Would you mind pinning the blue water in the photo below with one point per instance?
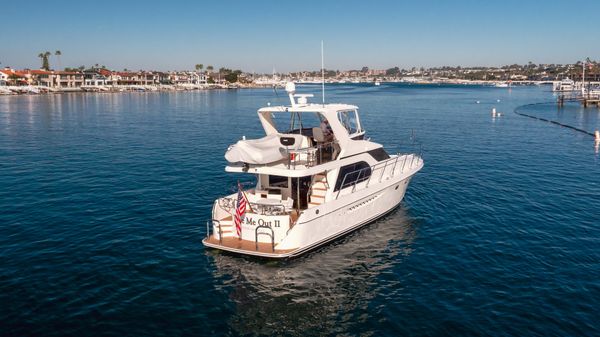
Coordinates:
(104, 199)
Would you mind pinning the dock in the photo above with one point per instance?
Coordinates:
(584, 100)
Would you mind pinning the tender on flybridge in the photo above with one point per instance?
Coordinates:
(317, 178)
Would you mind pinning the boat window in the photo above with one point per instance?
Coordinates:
(278, 181)
(353, 173)
(297, 122)
(304, 123)
(349, 120)
(281, 121)
(379, 154)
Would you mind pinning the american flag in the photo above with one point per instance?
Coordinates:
(240, 210)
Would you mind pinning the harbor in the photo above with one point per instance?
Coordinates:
(155, 163)
(315, 168)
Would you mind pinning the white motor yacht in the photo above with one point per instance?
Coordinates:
(566, 85)
(317, 179)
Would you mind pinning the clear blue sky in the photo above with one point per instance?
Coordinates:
(259, 35)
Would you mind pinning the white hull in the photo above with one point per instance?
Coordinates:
(346, 218)
(320, 225)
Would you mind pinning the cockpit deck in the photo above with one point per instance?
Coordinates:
(236, 245)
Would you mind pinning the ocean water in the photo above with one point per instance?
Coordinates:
(104, 200)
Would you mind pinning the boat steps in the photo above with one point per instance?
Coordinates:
(242, 246)
(227, 227)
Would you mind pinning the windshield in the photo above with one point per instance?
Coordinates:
(296, 122)
(349, 120)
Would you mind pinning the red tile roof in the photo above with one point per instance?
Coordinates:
(40, 72)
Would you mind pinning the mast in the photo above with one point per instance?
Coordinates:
(583, 80)
(322, 74)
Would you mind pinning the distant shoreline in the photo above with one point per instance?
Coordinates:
(41, 90)
(38, 90)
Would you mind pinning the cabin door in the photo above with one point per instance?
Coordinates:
(300, 193)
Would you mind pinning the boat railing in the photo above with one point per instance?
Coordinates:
(229, 204)
(387, 169)
(210, 224)
(312, 155)
(271, 235)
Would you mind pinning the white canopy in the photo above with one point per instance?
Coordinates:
(261, 151)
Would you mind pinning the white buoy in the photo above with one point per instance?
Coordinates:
(477, 102)
(498, 100)
(597, 136)
(493, 112)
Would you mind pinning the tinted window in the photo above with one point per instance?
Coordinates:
(353, 173)
(278, 181)
(379, 154)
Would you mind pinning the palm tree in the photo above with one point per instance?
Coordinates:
(210, 68)
(199, 67)
(41, 56)
(45, 60)
(58, 53)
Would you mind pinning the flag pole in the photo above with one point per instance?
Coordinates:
(245, 196)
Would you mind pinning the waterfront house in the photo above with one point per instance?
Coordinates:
(3, 78)
(54, 79)
(136, 78)
(198, 78)
(94, 78)
(163, 78)
(67, 79)
(187, 77)
(13, 77)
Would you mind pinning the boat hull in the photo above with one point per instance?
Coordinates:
(319, 226)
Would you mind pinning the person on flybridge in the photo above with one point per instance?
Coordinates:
(326, 128)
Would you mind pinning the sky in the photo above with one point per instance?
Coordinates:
(259, 35)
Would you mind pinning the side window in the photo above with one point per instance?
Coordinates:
(280, 121)
(278, 181)
(351, 174)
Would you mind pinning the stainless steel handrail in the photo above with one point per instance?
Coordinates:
(375, 167)
(272, 235)
(262, 209)
(306, 150)
(218, 226)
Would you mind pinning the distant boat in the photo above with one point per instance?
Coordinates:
(501, 85)
(566, 84)
(377, 82)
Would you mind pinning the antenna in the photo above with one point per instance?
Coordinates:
(322, 74)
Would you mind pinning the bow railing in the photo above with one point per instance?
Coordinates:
(387, 168)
